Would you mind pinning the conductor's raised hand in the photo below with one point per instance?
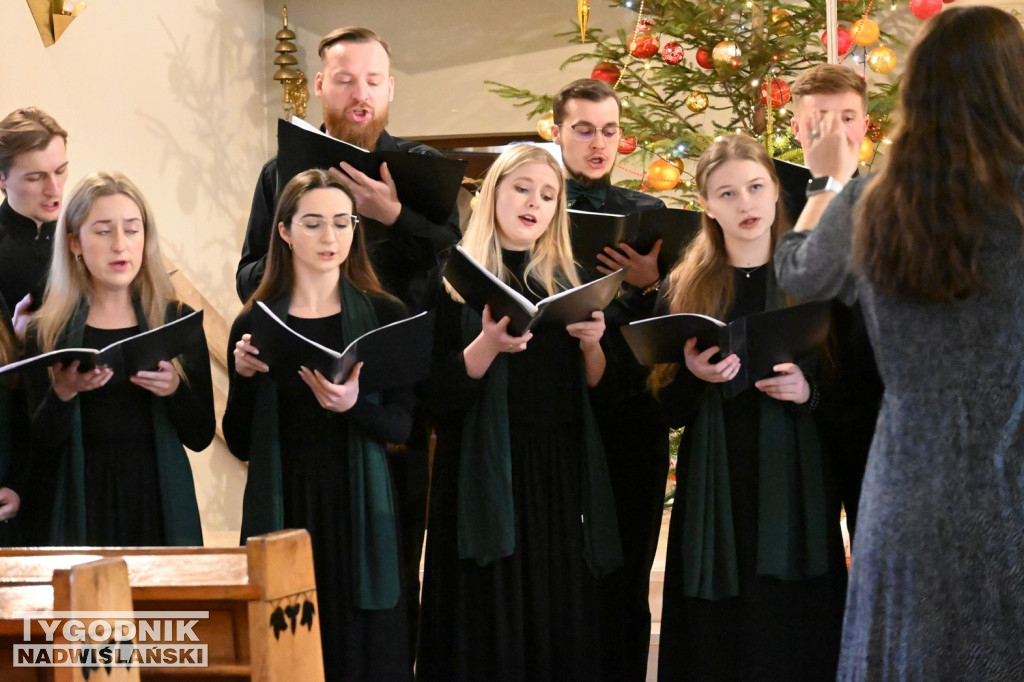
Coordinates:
(590, 332)
(68, 382)
(641, 268)
(163, 382)
(333, 397)
(376, 199)
(496, 336)
(246, 361)
(789, 384)
(699, 363)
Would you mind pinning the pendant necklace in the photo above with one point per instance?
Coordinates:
(747, 271)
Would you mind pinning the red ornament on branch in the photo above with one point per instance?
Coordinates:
(780, 93)
(607, 72)
(646, 46)
(672, 53)
(925, 9)
(704, 59)
(627, 144)
(843, 38)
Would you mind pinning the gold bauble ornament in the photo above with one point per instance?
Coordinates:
(779, 18)
(867, 150)
(864, 32)
(663, 175)
(546, 125)
(726, 52)
(696, 102)
(882, 59)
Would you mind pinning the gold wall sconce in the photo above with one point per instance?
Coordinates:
(291, 78)
(53, 17)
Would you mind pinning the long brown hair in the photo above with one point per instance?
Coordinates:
(8, 347)
(279, 275)
(702, 280)
(954, 158)
(70, 281)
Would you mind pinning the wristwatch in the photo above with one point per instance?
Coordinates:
(823, 184)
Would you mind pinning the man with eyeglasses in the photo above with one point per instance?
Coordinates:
(355, 87)
(587, 129)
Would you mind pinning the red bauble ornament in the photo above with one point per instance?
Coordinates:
(704, 59)
(607, 72)
(780, 93)
(672, 53)
(924, 9)
(627, 145)
(843, 38)
(645, 46)
(644, 26)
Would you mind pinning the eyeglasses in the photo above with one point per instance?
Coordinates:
(340, 222)
(584, 132)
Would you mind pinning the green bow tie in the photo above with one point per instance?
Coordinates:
(577, 194)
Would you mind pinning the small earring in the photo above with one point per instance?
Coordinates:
(78, 257)
(289, 246)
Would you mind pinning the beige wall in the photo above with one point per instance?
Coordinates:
(173, 94)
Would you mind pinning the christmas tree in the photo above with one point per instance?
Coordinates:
(690, 70)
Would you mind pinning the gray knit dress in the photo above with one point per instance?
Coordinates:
(937, 575)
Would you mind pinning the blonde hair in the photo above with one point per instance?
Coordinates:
(70, 281)
(550, 263)
(702, 280)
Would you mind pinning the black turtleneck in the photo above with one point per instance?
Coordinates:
(25, 253)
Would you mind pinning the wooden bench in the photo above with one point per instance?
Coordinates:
(91, 584)
(254, 596)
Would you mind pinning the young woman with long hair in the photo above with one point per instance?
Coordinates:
(316, 450)
(933, 249)
(755, 573)
(521, 516)
(117, 467)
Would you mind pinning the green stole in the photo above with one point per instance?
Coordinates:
(486, 508)
(177, 489)
(374, 536)
(792, 528)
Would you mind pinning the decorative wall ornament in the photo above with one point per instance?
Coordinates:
(291, 78)
(53, 17)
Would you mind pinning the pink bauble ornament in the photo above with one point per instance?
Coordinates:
(925, 9)
(843, 39)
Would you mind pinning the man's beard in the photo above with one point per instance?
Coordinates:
(586, 182)
(363, 135)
